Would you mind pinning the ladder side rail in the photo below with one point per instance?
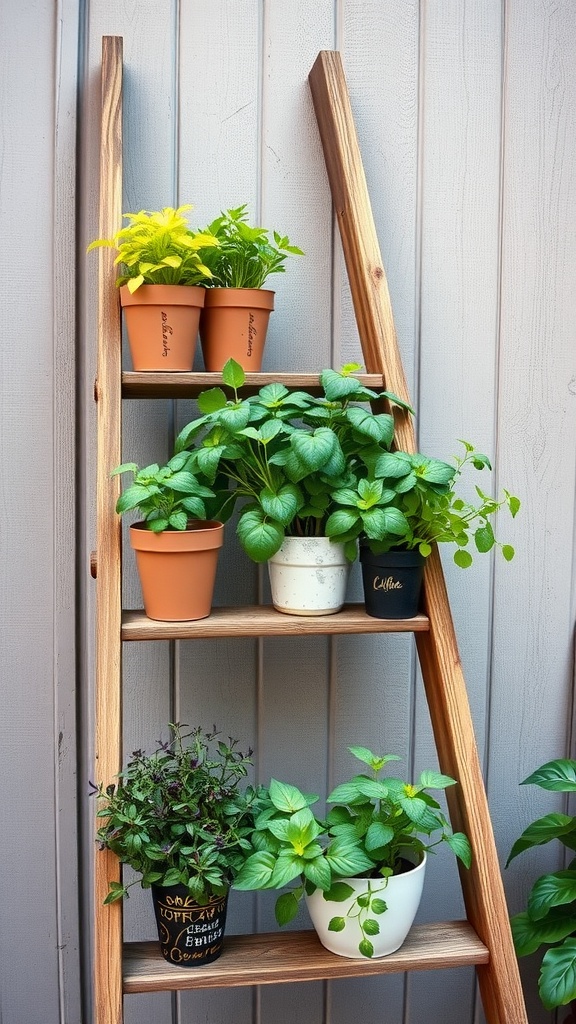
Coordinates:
(108, 1006)
(438, 649)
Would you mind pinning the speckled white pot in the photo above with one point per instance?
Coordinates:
(308, 576)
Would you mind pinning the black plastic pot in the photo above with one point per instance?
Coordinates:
(392, 582)
(190, 935)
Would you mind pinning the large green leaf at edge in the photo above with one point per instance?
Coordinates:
(557, 985)
(551, 890)
(543, 830)
(558, 775)
(529, 935)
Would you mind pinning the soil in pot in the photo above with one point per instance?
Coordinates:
(233, 325)
(390, 905)
(392, 582)
(162, 324)
(308, 576)
(177, 569)
(190, 935)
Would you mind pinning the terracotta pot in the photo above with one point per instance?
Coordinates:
(308, 576)
(190, 935)
(162, 324)
(392, 582)
(177, 569)
(233, 325)
(400, 893)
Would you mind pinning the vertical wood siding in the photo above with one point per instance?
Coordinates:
(465, 115)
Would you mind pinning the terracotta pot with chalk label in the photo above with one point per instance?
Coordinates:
(162, 324)
(233, 325)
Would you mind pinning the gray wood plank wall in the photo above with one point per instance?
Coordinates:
(465, 111)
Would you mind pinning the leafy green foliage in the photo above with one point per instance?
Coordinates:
(305, 465)
(244, 256)
(178, 815)
(550, 915)
(159, 248)
(373, 824)
(167, 497)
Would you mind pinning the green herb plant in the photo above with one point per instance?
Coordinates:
(167, 497)
(245, 256)
(550, 916)
(287, 452)
(159, 248)
(373, 825)
(179, 815)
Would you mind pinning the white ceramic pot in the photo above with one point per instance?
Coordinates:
(400, 893)
(308, 576)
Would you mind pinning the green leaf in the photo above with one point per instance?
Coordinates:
(172, 877)
(286, 797)
(508, 552)
(460, 845)
(283, 504)
(314, 449)
(378, 906)
(366, 948)
(336, 924)
(339, 892)
(346, 859)
(371, 927)
(528, 935)
(286, 908)
(513, 504)
(318, 872)
(288, 867)
(558, 775)
(463, 558)
(551, 890)
(256, 871)
(484, 538)
(434, 780)
(543, 830)
(132, 497)
(212, 400)
(233, 375)
(178, 520)
(341, 522)
(378, 835)
(557, 984)
(337, 386)
(260, 537)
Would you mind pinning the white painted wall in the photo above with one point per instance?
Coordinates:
(465, 114)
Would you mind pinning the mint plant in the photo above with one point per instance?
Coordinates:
(245, 256)
(167, 497)
(550, 916)
(373, 824)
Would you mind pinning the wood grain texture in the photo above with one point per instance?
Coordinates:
(438, 649)
(189, 385)
(108, 919)
(298, 956)
(262, 620)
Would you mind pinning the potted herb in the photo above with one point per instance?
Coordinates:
(422, 495)
(361, 869)
(237, 307)
(162, 271)
(178, 539)
(181, 820)
(549, 919)
(286, 454)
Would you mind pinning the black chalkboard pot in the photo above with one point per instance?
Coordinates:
(392, 582)
(190, 935)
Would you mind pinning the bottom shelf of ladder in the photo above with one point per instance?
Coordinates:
(298, 956)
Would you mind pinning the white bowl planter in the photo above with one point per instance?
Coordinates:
(388, 928)
(308, 576)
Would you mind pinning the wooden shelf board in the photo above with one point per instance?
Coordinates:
(189, 385)
(263, 620)
(298, 956)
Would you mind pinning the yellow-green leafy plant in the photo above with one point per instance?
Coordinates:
(159, 248)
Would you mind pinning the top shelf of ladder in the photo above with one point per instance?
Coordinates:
(154, 384)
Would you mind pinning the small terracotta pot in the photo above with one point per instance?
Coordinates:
(162, 324)
(177, 569)
(233, 325)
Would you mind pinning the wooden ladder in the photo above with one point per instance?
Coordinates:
(484, 939)
(438, 648)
